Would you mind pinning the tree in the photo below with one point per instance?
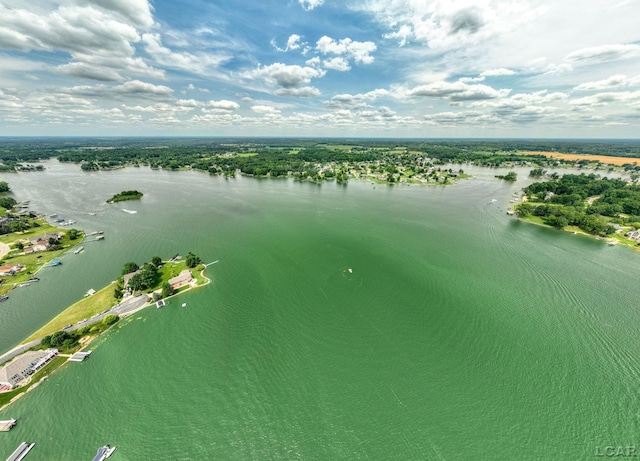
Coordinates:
(118, 291)
(156, 261)
(146, 278)
(7, 202)
(167, 290)
(192, 260)
(110, 319)
(74, 234)
(4, 187)
(129, 267)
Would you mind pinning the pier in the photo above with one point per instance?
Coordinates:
(79, 356)
(5, 426)
(21, 451)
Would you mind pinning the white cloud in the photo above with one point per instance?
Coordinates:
(303, 92)
(609, 83)
(137, 12)
(604, 53)
(457, 91)
(293, 43)
(607, 98)
(286, 76)
(497, 72)
(444, 24)
(310, 4)
(360, 52)
(265, 109)
(132, 88)
(355, 100)
(198, 63)
(337, 63)
(223, 105)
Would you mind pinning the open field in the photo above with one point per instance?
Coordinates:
(602, 158)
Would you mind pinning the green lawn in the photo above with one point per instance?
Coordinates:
(84, 309)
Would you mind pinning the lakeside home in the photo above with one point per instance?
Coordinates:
(24, 366)
(180, 280)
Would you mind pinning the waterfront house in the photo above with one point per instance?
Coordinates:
(180, 280)
(45, 238)
(24, 366)
(10, 269)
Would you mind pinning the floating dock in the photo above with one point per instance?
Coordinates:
(21, 451)
(79, 356)
(5, 426)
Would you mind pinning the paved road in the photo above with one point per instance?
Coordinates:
(128, 306)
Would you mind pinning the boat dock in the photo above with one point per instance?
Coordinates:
(21, 451)
(5, 426)
(80, 356)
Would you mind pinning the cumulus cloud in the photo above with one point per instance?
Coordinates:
(360, 52)
(223, 104)
(293, 80)
(100, 38)
(262, 109)
(303, 92)
(609, 83)
(137, 12)
(337, 63)
(355, 100)
(293, 43)
(310, 4)
(457, 91)
(606, 98)
(443, 24)
(132, 88)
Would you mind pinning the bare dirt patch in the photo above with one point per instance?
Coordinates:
(601, 158)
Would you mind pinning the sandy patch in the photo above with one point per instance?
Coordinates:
(4, 249)
(602, 158)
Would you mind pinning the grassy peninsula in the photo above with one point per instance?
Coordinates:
(588, 203)
(126, 195)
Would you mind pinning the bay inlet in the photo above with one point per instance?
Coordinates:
(457, 333)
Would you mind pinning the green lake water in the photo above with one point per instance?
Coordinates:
(458, 334)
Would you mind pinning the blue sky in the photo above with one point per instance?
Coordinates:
(383, 68)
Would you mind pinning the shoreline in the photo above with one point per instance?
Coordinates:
(148, 303)
(608, 240)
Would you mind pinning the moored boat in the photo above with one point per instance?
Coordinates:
(104, 453)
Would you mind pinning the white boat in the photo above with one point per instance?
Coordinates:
(78, 250)
(104, 452)
(129, 211)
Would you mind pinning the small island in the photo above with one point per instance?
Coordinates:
(126, 195)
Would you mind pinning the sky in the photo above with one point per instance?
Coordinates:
(306, 68)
